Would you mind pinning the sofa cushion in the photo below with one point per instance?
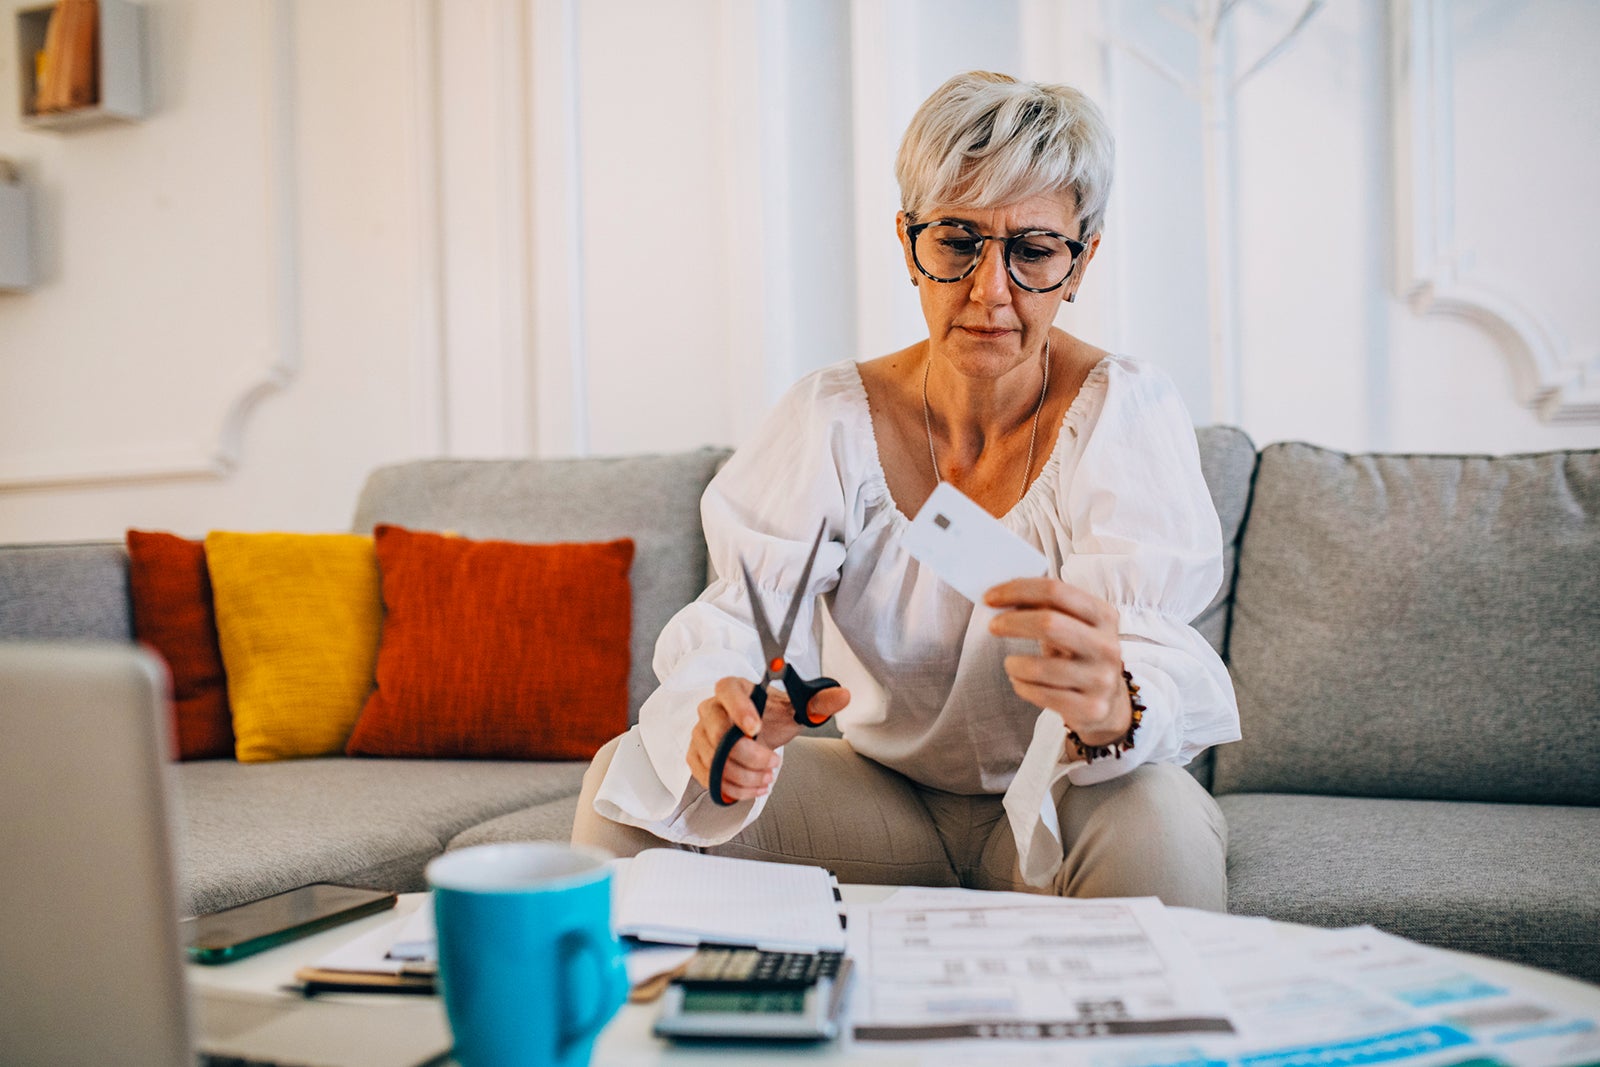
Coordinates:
(550, 821)
(497, 650)
(655, 500)
(298, 618)
(1510, 880)
(170, 589)
(1419, 626)
(70, 592)
(1228, 460)
(251, 830)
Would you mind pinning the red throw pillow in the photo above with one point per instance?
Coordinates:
(172, 613)
(498, 650)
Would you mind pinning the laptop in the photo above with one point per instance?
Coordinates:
(93, 967)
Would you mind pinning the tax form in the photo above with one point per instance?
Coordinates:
(940, 964)
(1515, 1027)
(1304, 997)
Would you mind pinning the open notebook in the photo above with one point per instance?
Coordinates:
(688, 898)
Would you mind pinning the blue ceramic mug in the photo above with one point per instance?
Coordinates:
(528, 965)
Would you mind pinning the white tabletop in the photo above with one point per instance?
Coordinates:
(628, 1040)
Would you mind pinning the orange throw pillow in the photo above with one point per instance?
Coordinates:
(172, 613)
(498, 650)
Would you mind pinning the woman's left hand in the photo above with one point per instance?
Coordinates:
(1078, 671)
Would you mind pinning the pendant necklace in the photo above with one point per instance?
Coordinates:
(927, 420)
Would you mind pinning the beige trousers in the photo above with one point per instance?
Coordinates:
(1152, 832)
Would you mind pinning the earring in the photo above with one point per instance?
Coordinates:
(1072, 296)
(913, 281)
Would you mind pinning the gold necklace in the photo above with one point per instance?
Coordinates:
(927, 420)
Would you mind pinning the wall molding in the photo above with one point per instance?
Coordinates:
(1558, 383)
(430, 411)
(766, 62)
(884, 94)
(559, 364)
(1069, 43)
(223, 455)
(284, 209)
(749, 69)
(484, 234)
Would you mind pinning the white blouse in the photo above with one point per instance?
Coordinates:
(1120, 509)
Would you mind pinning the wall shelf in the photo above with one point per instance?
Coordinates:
(121, 59)
(18, 270)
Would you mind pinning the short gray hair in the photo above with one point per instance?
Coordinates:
(985, 139)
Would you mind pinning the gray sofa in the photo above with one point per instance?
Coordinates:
(1415, 641)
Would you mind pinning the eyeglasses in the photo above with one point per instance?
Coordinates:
(1037, 260)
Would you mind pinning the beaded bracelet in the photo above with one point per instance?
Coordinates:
(1094, 752)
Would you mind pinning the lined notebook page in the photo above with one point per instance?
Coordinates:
(686, 898)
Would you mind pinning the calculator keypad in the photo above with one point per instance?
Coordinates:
(748, 968)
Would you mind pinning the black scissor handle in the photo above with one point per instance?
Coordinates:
(800, 691)
(719, 758)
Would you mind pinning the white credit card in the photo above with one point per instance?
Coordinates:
(967, 547)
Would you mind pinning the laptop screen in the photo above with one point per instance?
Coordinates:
(88, 930)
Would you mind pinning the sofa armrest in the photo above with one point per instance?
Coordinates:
(65, 592)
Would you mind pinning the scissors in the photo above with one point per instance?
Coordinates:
(800, 690)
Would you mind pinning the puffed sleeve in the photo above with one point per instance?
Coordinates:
(1144, 536)
(763, 507)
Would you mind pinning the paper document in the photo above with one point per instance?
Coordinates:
(1512, 1026)
(688, 898)
(647, 961)
(941, 964)
(1338, 998)
(369, 953)
(1287, 1009)
(1291, 1011)
(416, 940)
(1325, 998)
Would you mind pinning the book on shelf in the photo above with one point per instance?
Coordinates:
(67, 71)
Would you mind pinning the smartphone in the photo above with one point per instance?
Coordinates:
(235, 933)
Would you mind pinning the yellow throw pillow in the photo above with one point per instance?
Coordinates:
(298, 617)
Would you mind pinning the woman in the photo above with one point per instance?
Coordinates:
(1033, 742)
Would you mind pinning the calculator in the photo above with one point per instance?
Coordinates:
(747, 993)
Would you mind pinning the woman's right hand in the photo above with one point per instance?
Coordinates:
(752, 763)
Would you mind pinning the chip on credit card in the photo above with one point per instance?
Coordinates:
(968, 548)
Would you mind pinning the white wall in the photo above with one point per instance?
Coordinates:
(355, 233)
(228, 328)
(1461, 187)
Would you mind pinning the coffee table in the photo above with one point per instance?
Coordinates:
(628, 1040)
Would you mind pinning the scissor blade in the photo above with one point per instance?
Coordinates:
(800, 590)
(771, 647)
